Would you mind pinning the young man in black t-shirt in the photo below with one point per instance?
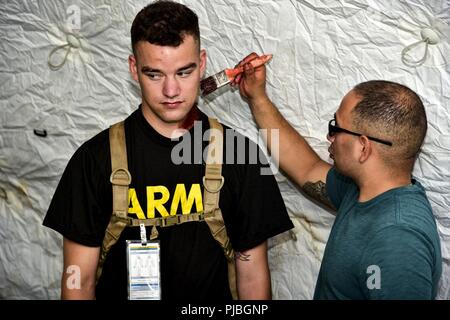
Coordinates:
(168, 64)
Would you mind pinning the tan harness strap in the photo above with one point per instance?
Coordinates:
(212, 215)
(120, 179)
(166, 221)
(213, 182)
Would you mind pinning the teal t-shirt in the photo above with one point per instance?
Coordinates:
(384, 248)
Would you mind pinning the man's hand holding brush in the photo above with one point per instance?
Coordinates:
(229, 76)
(252, 81)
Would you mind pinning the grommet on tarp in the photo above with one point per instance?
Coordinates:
(40, 133)
(72, 42)
(429, 37)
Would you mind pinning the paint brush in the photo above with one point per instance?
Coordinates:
(214, 82)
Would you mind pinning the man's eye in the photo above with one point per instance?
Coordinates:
(153, 75)
(184, 74)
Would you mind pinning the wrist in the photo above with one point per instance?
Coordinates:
(258, 101)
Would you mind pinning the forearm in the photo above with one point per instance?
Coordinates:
(256, 289)
(290, 145)
(71, 291)
(253, 275)
(80, 266)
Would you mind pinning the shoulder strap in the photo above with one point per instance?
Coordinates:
(120, 179)
(213, 182)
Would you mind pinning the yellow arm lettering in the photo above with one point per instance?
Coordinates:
(187, 202)
(135, 206)
(157, 204)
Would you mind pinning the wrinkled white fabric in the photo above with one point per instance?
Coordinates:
(321, 50)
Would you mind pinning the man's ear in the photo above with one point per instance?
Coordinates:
(132, 64)
(366, 148)
(202, 62)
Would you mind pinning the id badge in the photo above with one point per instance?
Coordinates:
(144, 281)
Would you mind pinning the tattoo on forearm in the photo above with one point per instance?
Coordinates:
(318, 191)
(242, 256)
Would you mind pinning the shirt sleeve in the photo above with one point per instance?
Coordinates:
(260, 212)
(81, 204)
(337, 186)
(398, 264)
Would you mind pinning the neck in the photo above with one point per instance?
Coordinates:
(375, 185)
(171, 129)
(192, 116)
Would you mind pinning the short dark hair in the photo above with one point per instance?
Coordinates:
(392, 112)
(164, 23)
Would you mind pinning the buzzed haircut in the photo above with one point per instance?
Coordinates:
(394, 112)
(164, 23)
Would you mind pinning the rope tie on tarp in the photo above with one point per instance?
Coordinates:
(429, 37)
(73, 42)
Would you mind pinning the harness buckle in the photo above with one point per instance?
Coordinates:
(170, 221)
(122, 216)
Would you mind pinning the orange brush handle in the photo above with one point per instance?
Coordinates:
(257, 62)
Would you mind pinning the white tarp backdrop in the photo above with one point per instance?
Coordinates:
(321, 50)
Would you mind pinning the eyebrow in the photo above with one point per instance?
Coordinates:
(184, 68)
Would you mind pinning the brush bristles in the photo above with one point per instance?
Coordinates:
(208, 85)
(214, 82)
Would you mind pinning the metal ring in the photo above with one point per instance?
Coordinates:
(218, 188)
(127, 173)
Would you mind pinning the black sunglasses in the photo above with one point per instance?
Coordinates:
(333, 129)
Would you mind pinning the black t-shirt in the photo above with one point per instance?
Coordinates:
(193, 265)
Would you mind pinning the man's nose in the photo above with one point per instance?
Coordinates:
(171, 87)
(330, 138)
